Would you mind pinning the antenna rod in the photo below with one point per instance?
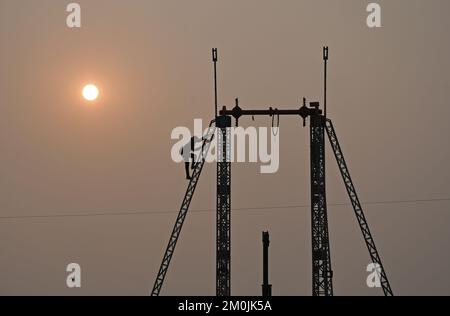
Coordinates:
(325, 60)
(214, 56)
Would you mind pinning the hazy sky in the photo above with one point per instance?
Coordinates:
(388, 98)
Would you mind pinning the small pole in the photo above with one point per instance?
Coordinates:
(325, 61)
(214, 56)
(266, 287)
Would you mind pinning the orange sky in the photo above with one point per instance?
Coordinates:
(388, 98)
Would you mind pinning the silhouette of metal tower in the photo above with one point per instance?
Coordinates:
(322, 273)
(357, 208)
(223, 228)
(321, 259)
(183, 212)
(322, 278)
(321, 265)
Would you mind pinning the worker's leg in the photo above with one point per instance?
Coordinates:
(186, 167)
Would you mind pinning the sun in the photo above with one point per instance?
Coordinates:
(90, 92)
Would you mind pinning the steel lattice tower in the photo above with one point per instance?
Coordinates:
(223, 229)
(321, 259)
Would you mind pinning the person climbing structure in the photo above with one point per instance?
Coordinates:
(188, 151)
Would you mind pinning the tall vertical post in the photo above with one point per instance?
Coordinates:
(266, 287)
(223, 241)
(325, 63)
(214, 57)
(321, 260)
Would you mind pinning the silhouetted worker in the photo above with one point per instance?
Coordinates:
(188, 153)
